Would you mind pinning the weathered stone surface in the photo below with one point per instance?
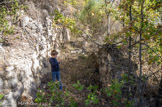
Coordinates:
(9, 68)
(1, 84)
(24, 64)
(25, 21)
(6, 91)
(77, 51)
(112, 64)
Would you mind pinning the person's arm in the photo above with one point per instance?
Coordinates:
(58, 61)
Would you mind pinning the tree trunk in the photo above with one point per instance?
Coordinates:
(108, 24)
(140, 56)
(130, 40)
(159, 96)
(130, 50)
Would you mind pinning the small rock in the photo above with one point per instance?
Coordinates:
(14, 82)
(44, 86)
(25, 21)
(34, 31)
(50, 9)
(1, 48)
(9, 68)
(6, 91)
(34, 27)
(45, 12)
(7, 84)
(39, 28)
(11, 102)
(1, 84)
(25, 98)
(77, 51)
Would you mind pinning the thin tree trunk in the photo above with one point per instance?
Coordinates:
(130, 40)
(159, 96)
(108, 14)
(130, 50)
(108, 18)
(108, 24)
(123, 18)
(140, 56)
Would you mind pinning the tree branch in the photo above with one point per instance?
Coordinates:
(152, 50)
(100, 45)
(153, 73)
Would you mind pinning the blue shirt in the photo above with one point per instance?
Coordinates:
(54, 65)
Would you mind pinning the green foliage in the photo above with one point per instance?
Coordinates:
(151, 34)
(40, 97)
(93, 15)
(114, 92)
(5, 11)
(64, 21)
(78, 86)
(4, 26)
(71, 2)
(92, 97)
(73, 103)
(155, 47)
(62, 98)
(55, 96)
(1, 96)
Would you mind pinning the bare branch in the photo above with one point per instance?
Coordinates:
(153, 73)
(152, 50)
(88, 37)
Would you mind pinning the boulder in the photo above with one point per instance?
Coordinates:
(25, 21)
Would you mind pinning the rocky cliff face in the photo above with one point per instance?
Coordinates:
(112, 64)
(24, 59)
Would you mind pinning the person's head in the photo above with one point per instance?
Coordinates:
(54, 53)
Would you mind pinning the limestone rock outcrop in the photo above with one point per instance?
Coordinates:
(112, 64)
(24, 61)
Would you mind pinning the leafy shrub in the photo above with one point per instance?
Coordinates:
(63, 98)
(92, 97)
(78, 86)
(55, 96)
(1, 97)
(71, 2)
(64, 21)
(114, 93)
